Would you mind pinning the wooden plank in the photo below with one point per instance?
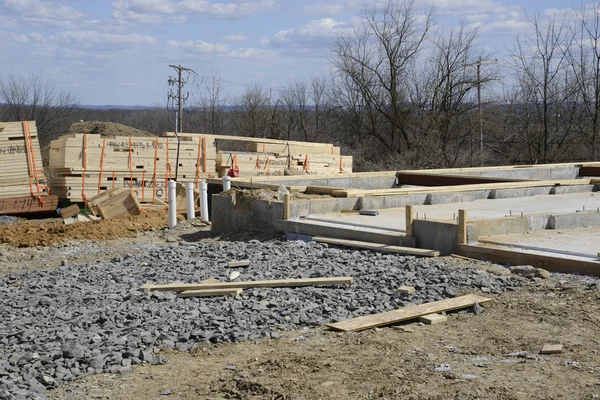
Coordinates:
(378, 247)
(519, 257)
(462, 188)
(551, 349)
(120, 205)
(28, 205)
(407, 313)
(238, 263)
(425, 178)
(286, 206)
(589, 171)
(462, 226)
(409, 219)
(324, 190)
(210, 293)
(406, 289)
(70, 211)
(179, 287)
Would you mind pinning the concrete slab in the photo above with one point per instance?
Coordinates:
(394, 218)
(582, 242)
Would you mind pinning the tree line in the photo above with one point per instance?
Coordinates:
(403, 94)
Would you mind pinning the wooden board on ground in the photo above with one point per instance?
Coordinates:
(551, 349)
(378, 247)
(238, 263)
(119, 206)
(407, 313)
(179, 287)
(70, 211)
(210, 293)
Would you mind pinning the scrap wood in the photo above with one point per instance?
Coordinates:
(69, 212)
(433, 319)
(378, 247)
(180, 287)
(407, 313)
(209, 293)
(238, 263)
(551, 349)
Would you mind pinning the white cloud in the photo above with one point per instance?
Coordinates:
(313, 34)
(234, 38)
(89, 39)
(46, 10)
(14, 37)
(150, 11)
(198, 47)
(7, 22)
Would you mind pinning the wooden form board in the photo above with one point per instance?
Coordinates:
(21, 168)
(459, 188)
(521, 257)
(407, 313)
(425, 178)
(378, 247)
(179, 287)
(114, 203)
(28, 205)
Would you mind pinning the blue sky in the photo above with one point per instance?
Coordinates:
(118, 52)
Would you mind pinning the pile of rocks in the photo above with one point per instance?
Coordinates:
(62, 324)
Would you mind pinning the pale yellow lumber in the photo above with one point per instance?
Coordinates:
(433, 319)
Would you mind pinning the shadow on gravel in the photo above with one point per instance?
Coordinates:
(195, 236)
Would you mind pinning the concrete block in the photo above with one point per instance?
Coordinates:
(348, 232)
(456, 197)
(575, 220)
(572, 189)
(519, 192)
(435, 235)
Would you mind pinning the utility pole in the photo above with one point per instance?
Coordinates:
(175, 103)
(176, 99)
(479, 63)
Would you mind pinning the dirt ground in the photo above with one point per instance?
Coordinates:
(387, 363)
(106, 129)
(494, 355)
(40, 244)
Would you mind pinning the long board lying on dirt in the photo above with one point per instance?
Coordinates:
(407, 313)
(384, 248)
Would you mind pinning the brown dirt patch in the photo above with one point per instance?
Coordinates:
(47, 232)
(389, 364)
(106, 129)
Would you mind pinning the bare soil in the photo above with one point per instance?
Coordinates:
(390, 364)
(106, 129)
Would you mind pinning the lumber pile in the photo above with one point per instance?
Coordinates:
(84, 165)
(23, 184)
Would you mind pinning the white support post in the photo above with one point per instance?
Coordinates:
(189, 196)
(226, 183)
(204, 201)
(172, 203)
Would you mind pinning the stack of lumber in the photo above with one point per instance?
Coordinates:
(23, 185)
(84, 165)
(270, 157)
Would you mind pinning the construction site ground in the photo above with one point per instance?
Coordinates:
(390, 364)
(494, 355)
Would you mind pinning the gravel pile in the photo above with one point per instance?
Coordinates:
(65, 323)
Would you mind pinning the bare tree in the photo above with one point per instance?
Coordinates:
(542, 86)
(36, 98)
(210, 101)
(252, 112)
(378, 57)
(584, 63)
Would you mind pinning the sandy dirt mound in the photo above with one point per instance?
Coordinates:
(45, 233)
(106, 129)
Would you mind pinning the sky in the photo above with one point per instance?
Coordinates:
(119, 52)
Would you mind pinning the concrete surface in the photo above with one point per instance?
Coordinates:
(582, 242)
